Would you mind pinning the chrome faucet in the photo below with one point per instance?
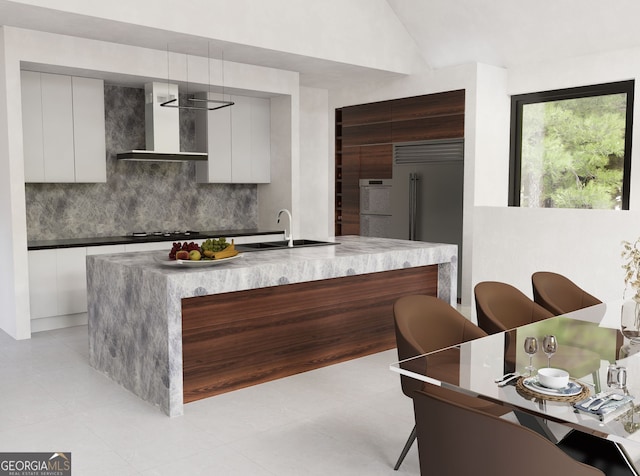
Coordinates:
(290, 237)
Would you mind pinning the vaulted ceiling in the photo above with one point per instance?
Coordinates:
(336, 41)
(510, 32)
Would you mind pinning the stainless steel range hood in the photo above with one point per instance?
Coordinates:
(162, 128)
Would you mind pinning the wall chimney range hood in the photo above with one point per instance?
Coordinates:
(162, 128)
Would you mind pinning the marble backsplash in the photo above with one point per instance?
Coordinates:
(137, 196)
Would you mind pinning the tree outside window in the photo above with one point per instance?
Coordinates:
(571, 148)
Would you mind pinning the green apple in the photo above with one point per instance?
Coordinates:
(194, 255)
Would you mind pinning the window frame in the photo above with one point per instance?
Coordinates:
(515, 148)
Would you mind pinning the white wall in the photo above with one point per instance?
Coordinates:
(486, 127)
(584, 245)
(314, 166)
(511, 243)
(374, 35)
(489, 136)
(14, 289)
(101, 59)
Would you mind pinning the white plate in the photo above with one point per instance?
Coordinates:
(184, 263)
(532, 383)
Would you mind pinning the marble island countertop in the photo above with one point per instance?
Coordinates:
(256, 269)
(135, 313)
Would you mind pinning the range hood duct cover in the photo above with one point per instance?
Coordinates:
(162, 128)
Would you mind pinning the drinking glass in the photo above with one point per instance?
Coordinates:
(617, 377)
(550, 347)
(530, 347)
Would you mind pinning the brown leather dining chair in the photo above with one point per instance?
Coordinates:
(456, 439)
(558, 294)
(425, 324)
(501, 307)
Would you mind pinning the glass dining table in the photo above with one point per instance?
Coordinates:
(474, 368)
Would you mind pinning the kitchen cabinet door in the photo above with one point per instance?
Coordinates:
(57, 128)
(260, 140)
(57, 282)
(370, 113)
(241, 140)
(213, 135)
(71, 274)
(237, 140)
(88, 130)
(63, 128)
(105, 249)
(376, 161)
(58, 279)
(239, 240)
(350, 218)
(33, 150)
(43, 283)
(430, 105)
(154, 246)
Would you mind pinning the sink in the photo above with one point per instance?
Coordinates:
(297, 243)
(257, 246)
(279, 245)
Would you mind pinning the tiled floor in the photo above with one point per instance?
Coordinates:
(346, 419)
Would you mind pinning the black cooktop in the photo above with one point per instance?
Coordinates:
(168, 234)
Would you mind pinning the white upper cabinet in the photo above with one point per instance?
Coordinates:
(63, 128)
(241, 139)
(237, 140)
(213, 135)
(57, 128)
(261, 139)
(32, 126)
(88, 130)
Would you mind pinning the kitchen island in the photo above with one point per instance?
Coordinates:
(173, 335)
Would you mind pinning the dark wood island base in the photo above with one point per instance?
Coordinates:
(237, 339)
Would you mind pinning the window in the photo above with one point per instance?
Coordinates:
(571, 148)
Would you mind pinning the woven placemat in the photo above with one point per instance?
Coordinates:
(554, 398)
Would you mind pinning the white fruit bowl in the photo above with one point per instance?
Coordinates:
(553, 378)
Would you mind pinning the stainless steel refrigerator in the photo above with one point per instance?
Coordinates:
(423, 200)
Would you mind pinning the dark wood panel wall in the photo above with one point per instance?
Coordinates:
(367, 113)
(365, 135)
(238, 339)
(430, 105)
(428, 128)
(375, 165)
(350, 190)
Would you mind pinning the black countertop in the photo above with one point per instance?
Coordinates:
(125, 240)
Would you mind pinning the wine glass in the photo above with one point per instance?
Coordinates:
(550, 347)
(630, 327)
(530, 347)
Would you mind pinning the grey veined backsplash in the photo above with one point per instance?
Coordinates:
(137, 196)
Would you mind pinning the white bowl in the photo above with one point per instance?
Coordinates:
(553, 378)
